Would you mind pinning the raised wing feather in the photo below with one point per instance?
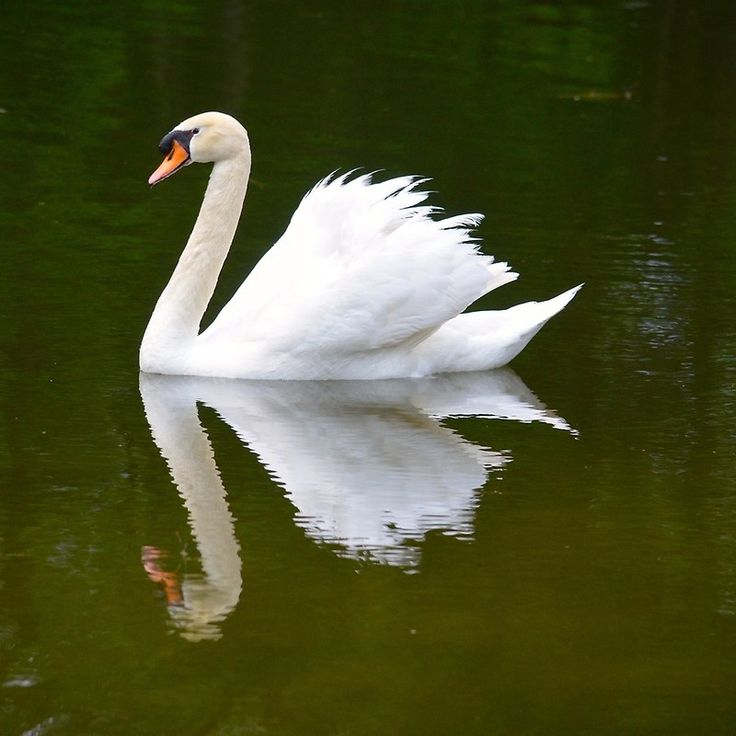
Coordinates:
(362, 266)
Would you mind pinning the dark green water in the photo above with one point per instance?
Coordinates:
(347, 559)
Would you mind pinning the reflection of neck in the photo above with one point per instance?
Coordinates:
(180, 307)
(184, 445)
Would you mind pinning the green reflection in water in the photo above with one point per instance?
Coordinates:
(592, 589)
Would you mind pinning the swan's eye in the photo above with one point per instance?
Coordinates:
(195, 131)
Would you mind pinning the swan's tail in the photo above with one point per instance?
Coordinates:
(540, 312)
(479, 341)
(513, 328)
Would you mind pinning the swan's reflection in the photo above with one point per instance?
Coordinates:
(367, 465)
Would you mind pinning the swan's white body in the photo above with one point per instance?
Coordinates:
(364, 283)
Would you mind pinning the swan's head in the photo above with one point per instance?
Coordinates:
(211, 136)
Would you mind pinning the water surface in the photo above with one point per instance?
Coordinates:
(549, 549)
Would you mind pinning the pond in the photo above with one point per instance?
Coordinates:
(549, 548)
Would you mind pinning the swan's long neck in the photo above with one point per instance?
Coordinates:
(175, 321)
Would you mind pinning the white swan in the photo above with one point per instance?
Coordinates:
(363, 283)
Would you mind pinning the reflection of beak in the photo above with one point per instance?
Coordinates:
(169, 581)
(178, 158)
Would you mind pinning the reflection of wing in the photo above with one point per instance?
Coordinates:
(363, 462)
(200, 601)
(364, 471)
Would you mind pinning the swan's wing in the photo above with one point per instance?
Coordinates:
(361, 266)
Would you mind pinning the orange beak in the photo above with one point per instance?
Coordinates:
(177, 158)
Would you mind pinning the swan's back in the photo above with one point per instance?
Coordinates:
(364, 271)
